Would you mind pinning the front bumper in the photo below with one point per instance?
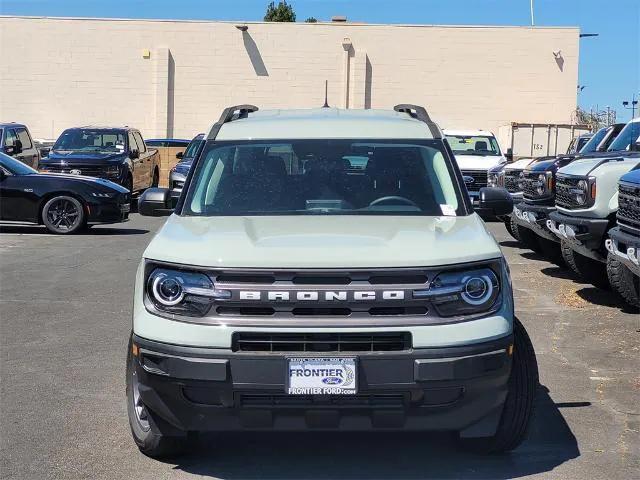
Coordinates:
(453, 388)
(534, 218)
(585, 235)
(625, 247)
(111, 212)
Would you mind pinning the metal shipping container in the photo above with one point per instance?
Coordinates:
(538, 139)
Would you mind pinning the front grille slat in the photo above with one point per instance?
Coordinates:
(479, 179)
(321, 342)
(629, 206)
(379, 400)
(563, 186)
(511, 180)
(85, 170)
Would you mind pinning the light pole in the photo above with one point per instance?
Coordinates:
(631, 105)
(532, 20)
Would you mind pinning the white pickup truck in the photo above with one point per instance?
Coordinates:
(476, 152)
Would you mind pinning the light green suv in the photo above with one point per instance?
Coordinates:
(324, 269)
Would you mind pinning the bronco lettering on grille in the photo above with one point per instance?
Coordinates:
(325, 296)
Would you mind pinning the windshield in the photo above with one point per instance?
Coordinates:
(628, 136)
(14, 166)
(302, 177)
(91, 140)
(473, 145)
(594, 141)
(191, 150)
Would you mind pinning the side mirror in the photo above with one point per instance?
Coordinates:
(2, 175)
(133, 154)
(10, 150)
(179, 155)
(155, 202)
(509, 155)
(495, 201)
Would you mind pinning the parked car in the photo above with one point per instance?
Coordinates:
(476, 152)
(577, 143)
(508, 176)
(167, 142)
(178, 174)
(538, 182)
(16, 142)
(117, 154)
(623, 245)
(62, 203)
(586, 206)
(326, 296)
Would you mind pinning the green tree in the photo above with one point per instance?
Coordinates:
(311, 20)
(283, 12)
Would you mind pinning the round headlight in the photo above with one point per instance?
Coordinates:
(542, 180)
(581, 197)
(477, 289)
(167, 290)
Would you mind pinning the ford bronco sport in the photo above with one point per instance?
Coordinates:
(324, 269)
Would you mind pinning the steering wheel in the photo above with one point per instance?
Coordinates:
(393, 200)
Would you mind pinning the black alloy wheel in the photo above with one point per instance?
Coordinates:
(63, 215)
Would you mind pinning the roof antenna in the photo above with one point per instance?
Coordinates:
(326, 88)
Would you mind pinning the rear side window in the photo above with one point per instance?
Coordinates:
(141, 146)
(24, 138)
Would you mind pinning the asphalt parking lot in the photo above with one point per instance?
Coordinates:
(65, 318)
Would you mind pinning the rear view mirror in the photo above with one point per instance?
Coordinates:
(509, 155)
(179, 155)
(155, 202)
(495, 201)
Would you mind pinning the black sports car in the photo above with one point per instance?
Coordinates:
(62, 203)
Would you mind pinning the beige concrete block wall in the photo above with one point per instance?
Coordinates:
(79, 71)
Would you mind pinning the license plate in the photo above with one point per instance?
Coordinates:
(322, 376)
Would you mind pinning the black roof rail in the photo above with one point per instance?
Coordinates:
(419, 113)
(230, 114)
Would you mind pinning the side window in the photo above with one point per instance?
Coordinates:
(141, 146)
(10, 138)
(133, 145)
(24, 138)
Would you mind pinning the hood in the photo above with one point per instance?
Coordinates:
(478, 162)
(183, 166)
(81, 178)
(633, 176)
(322, 241)
(549, 164)
(588, 166)
(519, 164)
(81, 157)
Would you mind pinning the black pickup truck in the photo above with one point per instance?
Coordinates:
(118, 154)
(537, 182)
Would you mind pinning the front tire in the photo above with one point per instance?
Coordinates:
(623, 281)
(551, 250)
(519, 405)
(528, 238)
(587, 269)
(145, 433)
(63, 215)
(512, 227)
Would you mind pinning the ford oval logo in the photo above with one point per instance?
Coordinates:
(332, 380)
(468, 180)
(75, 171)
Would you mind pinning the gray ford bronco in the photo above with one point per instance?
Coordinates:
(324, 269)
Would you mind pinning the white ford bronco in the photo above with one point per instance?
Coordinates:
(324, 269)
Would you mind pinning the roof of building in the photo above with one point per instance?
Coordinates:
(325, 123)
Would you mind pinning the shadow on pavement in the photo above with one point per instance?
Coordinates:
(93, 231)
(380, 455)
(605, 298)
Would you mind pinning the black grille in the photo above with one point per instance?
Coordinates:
(530, 185)
(629, 206)
(378, 400)
(511, 178)
(479, 179)
(321, 342)
(86, 170)
(563, 195)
